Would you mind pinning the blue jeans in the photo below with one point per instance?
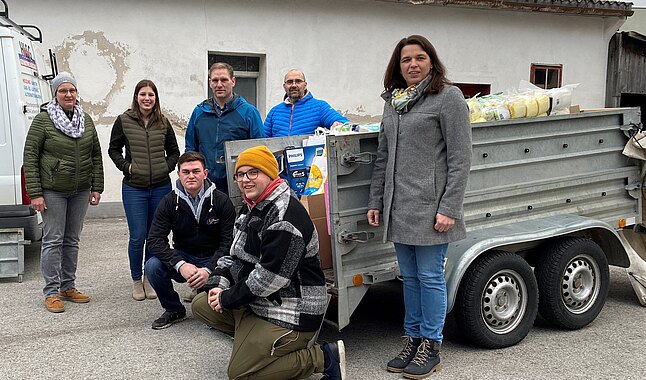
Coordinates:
(160, 277)
(62, 225)
(422, 268)
(140, 205)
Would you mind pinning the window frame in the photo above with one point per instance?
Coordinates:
(258, 76)
(558, 67)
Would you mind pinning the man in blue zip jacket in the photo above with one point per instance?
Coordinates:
(225, 117)
(300, 113)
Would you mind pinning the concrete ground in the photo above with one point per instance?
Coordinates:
(111, 338)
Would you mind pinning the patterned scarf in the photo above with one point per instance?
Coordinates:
(403, 99)
(73, 128)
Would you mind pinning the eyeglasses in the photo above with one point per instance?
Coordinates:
(70, 91)
(294, 81)
(251, 175)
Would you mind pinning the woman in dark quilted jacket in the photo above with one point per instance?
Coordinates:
(63, 173)
(150, 154)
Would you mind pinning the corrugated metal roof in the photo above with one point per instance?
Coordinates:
(579, 7)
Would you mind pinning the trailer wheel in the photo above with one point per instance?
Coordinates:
(497, 300)
(573, 282)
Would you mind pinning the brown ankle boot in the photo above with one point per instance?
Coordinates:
(74, 295)
(148, 289)
(138, 293)
(54, 304)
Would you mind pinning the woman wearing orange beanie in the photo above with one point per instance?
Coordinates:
(270, 292)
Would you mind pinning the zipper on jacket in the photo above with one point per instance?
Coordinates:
(291, 117)
(78, 163)
(150, 161)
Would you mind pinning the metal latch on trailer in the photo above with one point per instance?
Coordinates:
(357, 236)
(348, 159)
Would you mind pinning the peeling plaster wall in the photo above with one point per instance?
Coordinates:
(343, 47)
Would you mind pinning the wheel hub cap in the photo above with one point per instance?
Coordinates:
(504, 301)
(580, 284)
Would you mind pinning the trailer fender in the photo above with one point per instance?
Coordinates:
(463, 253)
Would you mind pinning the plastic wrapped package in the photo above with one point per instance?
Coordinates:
(348, 127)
(543, 101)
(517, 107)
(561, 100)
(496, 112)
(475, 111)
(531, 106)
(317, 176)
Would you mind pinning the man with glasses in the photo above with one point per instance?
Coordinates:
(225, 117)
(300, 113)
(269, 293)
(201, 219)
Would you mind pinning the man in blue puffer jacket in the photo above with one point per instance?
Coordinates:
(225, 117)
(300, 113)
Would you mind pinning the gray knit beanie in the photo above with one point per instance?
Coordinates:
(63, 77)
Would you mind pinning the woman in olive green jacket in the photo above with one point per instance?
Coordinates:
(64, 173)
(144, 148)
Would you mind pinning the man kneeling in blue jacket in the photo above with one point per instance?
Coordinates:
(201, 219)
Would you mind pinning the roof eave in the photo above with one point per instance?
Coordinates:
(587, 7)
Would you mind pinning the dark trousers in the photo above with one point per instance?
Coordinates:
(160, 277)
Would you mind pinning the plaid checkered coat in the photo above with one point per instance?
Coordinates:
(274, 266)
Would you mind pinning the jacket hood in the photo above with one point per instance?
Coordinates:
(180, 192)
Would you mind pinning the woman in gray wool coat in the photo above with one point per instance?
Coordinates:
(418, 185)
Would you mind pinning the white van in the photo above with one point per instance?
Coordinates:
(23, 89)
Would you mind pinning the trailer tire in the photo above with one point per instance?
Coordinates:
(573, 280)
(497, 300)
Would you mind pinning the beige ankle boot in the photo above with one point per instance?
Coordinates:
(150, 292)
(138, 293)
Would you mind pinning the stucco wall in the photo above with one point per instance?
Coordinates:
(343, 47)
(636, 22)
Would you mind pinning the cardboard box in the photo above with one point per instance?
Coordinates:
(575, 108)
(315, 206)
(325, 243)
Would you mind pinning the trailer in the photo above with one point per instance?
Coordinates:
(551, 202)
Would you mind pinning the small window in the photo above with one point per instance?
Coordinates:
(546, 76)
(246, 70)
(469, 90)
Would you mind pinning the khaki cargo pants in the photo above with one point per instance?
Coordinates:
(261, 349)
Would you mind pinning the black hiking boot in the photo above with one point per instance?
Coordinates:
(425, 362)
(405, 356)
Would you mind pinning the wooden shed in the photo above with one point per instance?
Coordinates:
(626, 86)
